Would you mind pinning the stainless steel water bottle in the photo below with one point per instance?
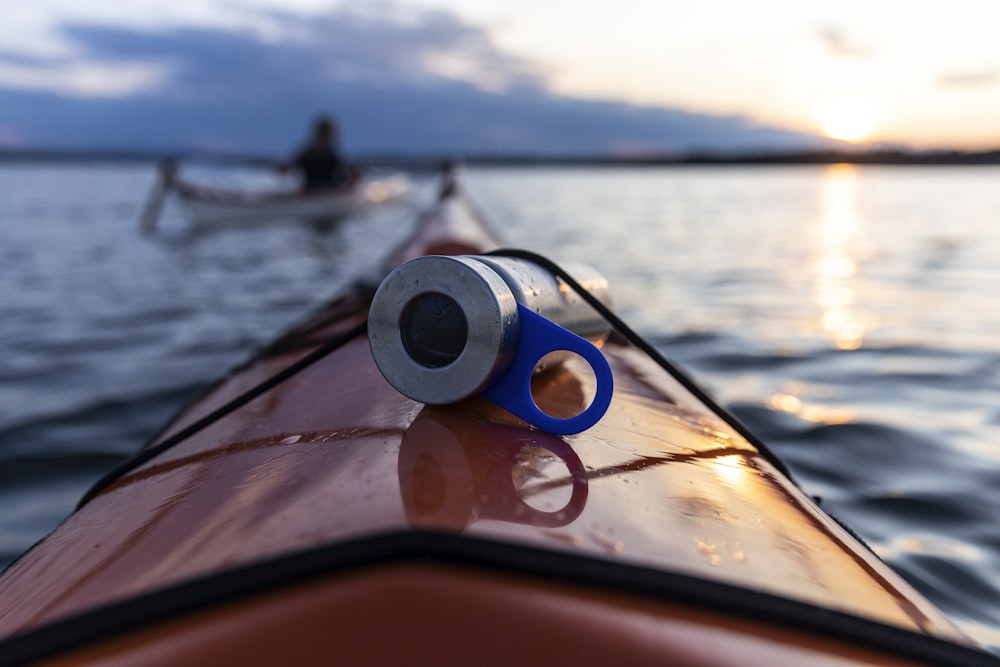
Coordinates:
(443, 329)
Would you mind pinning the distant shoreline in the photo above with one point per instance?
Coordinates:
(431, 162)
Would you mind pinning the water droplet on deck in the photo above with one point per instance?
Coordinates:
(606, 539)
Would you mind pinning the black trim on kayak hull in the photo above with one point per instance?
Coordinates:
(102, 623)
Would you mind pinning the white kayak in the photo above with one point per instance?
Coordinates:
(210, 205)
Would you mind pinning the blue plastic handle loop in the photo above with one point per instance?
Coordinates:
(538, 337)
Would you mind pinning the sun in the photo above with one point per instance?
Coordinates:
(847, 118)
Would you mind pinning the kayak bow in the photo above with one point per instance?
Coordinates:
(303, 510)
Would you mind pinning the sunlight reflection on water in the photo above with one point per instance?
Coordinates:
(834, 266)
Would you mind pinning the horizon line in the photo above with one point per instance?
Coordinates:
(853, 155)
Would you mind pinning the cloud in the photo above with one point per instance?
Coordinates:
(387, 47)
(969, 79)
(840, 44)
(82, 79)
(399, 80)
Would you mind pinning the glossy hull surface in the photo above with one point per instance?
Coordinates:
(410, 518)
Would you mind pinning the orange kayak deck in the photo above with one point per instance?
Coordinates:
(414, 531)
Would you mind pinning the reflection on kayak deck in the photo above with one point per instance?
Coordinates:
(455, 469)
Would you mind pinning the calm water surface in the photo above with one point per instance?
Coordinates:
(849, 315)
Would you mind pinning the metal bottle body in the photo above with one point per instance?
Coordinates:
(480, 294)
(540, 291)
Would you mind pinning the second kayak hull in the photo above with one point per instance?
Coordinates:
(213, 205)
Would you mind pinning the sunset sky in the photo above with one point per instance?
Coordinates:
(501, 75)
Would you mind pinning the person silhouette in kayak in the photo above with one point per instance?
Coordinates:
(319, 163)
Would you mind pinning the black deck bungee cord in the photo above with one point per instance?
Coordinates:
(332, 343)
(142, 456)
(686, 381)
(638, 341)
